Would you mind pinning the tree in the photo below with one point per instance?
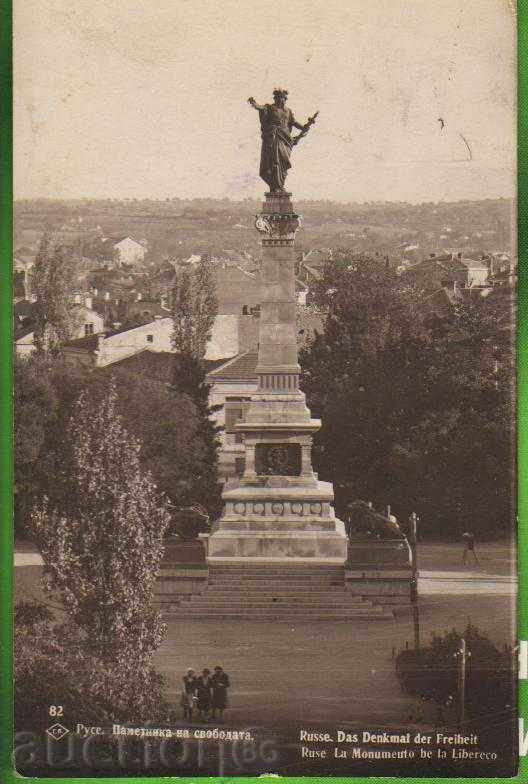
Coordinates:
(101, 550)
(52, 283)
(416, 410)
(194, 308)
(490, 684)
(45, 390)
(166, 424)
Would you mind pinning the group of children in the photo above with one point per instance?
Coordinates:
(206, 693)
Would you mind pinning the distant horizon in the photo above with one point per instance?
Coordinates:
(165, 199)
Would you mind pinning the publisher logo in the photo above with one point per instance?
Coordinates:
(57, 731)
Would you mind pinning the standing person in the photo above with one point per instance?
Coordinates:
(220, 685)
(203, 694)
(469, 541)
(188, 694)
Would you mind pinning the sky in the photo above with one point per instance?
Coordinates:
(148, 98)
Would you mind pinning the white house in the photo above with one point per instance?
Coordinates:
(129, 251)
(477, 271)
(86, 321)
(104, 349)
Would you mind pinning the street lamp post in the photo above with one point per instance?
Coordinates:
(413, 519)
(461, 673)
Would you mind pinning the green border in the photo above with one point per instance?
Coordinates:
(522, 347)
(6, 541)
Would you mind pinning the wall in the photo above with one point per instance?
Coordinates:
(477, 276)
(229, 450)
(222, 345)
(130, 252)
(82, 315)
(132, 341)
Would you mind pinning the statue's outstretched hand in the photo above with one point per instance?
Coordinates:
(251, 101)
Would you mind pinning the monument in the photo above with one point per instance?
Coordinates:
(278, 510)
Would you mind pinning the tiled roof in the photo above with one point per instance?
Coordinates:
(117, 238)
(243, 366)
(22, 331)
(87, 343)
(474, 263)
(158, 363)
(24, 308)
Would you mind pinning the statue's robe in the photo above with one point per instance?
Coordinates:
(276, 125)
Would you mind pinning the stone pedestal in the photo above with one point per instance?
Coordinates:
(278, 510)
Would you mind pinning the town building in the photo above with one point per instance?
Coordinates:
(85, 322)
(477, 272)
(230, 335)
(124, 250)
(231, 387)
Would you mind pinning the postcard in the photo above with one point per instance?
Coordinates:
(264, 303)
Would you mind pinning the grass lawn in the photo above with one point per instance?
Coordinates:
(322, 672)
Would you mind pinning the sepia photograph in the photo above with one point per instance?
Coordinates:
(264, 362)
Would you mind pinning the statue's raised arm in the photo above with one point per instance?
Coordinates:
(255, 105)
(276, 123)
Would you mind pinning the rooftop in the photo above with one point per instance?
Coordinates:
(87, 343)
(243, 366)
(159, 364)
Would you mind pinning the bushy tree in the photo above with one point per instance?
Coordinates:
(45, 390)
(54, 666)
(194, 307)
(102, 549)
(416, 409)
(490, 700)
(52, 281)
(166, 424)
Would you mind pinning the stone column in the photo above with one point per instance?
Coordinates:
(275, 510)
(278, 368)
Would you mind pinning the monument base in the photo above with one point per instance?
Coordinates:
(266, 522)
(279, 546)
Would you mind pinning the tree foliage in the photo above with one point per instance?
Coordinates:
(194, 308)
(432, 673)
(102, 547)
(53, 666)
(45, 390)
(52, 283)
(416, 409)
(175, 439)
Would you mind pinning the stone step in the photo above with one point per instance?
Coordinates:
(273, 605)
(279, 596)
(241, 577)
(242, 607)
(271, 570)
(277, 585)
(259, 580)
(239, 614)
(256, 595)
(340, 598)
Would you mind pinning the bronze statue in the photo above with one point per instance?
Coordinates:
(276, 123)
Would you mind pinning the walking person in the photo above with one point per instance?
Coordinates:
(469, 541)
(188, 696)
(220, 685)
(203, 694)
